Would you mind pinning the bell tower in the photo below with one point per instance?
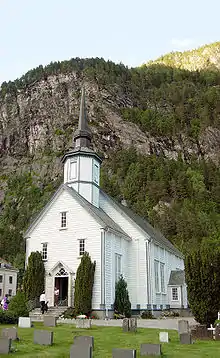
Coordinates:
(82, 164)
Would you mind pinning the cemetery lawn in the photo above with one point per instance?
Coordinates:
(106, 338)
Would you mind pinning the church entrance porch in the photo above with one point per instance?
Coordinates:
(61, 283)
(60, 277)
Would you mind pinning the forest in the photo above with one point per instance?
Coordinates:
(180, 196)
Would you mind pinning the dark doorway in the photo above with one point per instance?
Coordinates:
(62, 284)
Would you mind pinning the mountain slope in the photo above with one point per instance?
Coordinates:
(169, 115)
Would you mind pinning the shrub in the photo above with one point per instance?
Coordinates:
(7, 317)
(34, 276)
(84, 286)
(69, 313)
(18, 305)
(203, 282)
(122, 304)
(169, 314)
(147, 315)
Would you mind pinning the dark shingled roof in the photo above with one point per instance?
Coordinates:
(177, 278)
(98, 213)
(145, 226)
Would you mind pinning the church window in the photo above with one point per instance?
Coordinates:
(44, 251)
(10, 279)
(63, 219)
(118, 271)
(156, 275)
(162, 277)
(81, 247)
(175, 294)
(96, 173)
(73, 169)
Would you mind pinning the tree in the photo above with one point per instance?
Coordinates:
(203, 281)
(34, 276)
(84, 285)
(18, 305)
(122, 303)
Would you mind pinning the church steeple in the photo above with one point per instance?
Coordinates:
(82, 164)
(82, 136)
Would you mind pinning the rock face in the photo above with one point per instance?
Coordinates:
(38, 122)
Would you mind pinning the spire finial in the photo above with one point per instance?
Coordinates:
(82, 136)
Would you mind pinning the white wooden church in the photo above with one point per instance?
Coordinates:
(81, 217)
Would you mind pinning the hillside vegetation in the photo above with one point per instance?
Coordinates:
(157, 127)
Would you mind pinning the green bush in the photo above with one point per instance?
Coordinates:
(122, 304)
(202, 269)
(69, 313)
(18, 305)
(7, 317)
(147, 315)
(84, 286)
(34, 276)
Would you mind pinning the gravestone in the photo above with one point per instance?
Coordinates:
(43, 337)
(84, 341)
(201, 332)
(24, 322)
(123, 353)
(185, 338)
(80, 351)
(164, 337)
(133, 324)
(50, 321)
(125, 325)
(183, 326)
(5, 345)
(217, 333)
(150, 349)
(83, 323)
(10, 333)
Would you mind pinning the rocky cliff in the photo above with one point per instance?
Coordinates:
(164, 108)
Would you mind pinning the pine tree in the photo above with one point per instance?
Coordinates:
(84, 286)
(122, 303)
(33, 283)
(203, 282)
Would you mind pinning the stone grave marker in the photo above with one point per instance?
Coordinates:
(43, 337)
(164, 337)
(50, 321)
(185, 338)
(24, 322)
(5, 345)
(133, 324)
(123, 353)
(10, 333)
(201, 332)
(80, 351)
(84, 341)
(150, 349)
(183, 326)
(125, 324)
(217, 333)
(83, 323)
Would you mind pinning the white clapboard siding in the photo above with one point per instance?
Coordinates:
(172, 262)
(135, 255)
(135, 259)
(63, 245)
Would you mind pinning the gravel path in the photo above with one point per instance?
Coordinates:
(167, 323)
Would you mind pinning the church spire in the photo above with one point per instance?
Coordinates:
(82, 136)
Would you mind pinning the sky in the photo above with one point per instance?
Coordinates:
(36, 32)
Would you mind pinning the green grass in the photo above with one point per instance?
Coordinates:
(107, 338)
